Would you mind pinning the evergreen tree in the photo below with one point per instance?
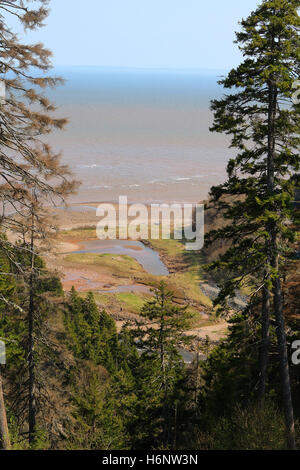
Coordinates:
(103, 386)
(26, 161)
(38, 293)
(14, 327)
(31, 173)
(161, 370)
(93, 334)
(264, 125)
(98, 424)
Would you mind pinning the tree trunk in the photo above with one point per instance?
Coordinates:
(4, 433)
(31, 365)
(284, 364)
(273, 254)
(164, 382)
(265, 343)
(197, 372)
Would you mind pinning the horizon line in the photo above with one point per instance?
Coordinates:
(178, 69)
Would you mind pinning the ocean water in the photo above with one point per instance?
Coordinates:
(140, 133)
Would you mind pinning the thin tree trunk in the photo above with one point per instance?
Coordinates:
(4, 433)
(31, 365)
(284, 364)
(197, 372)
(164, 382)
(175, 427)
(265, 344)
(273, 245)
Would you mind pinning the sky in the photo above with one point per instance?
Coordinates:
(179, 34)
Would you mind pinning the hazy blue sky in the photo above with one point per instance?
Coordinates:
(145, 33)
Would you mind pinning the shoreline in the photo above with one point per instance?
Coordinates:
(71, 217)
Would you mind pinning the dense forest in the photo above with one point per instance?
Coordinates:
(72, 380)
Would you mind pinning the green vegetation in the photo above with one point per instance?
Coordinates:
(185, 281)
(74, 378)
(262, 177)
(130, 302)
(113, 388)
(117, 265)
(172, 248)
(81, 233)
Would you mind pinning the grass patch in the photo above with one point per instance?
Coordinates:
(116, 265)
(80, 233)
(131, 302)
(172, 248)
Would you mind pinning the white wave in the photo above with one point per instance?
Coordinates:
(102, 186)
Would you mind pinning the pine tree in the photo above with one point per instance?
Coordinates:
(92, 334)
(264, 125)
(33, 275)
(25, 160)
(159, 336)
(28, 165)
(99, 425)
(103, 387)
(31, 172)
(36, 293)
